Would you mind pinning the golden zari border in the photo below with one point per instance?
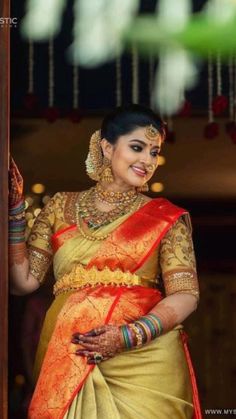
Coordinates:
(181, 281)
(80, 277)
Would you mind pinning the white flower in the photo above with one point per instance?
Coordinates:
(42, 19)
(98, 29)
(176, 73)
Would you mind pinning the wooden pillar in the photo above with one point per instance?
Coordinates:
(4, 147)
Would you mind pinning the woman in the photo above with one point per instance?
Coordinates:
(112, 344)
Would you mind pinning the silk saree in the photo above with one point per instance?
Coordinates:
(111, 281)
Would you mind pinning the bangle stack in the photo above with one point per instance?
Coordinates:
(17, 223)
(144, 330)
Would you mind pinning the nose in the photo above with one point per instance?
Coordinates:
(146, 159)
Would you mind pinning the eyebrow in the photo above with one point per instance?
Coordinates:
(143, 143)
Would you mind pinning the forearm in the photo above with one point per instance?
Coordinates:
(21, 282)
(163, 317)
(174, 309)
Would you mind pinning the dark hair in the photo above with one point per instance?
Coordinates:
(126, 119)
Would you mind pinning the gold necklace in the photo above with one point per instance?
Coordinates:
(91, 236)
(96, 218)
(114, 197)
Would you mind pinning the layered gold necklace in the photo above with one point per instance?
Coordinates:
(86, 210)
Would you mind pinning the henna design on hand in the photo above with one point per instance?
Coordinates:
(106, 340)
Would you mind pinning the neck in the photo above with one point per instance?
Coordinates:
(116, 187)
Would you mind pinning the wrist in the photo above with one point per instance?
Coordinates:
(142, 331)
(17, 206)
(17, 223)
(128, 337)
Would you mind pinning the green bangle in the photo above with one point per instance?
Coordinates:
(158, 322)
(126, 337)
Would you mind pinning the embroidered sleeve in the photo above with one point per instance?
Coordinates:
(177, 260)
(39, 241)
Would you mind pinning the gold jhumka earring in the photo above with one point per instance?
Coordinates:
(143, 188)
(98, 167)
(106, 174)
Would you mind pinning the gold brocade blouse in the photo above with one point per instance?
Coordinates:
(172, 264)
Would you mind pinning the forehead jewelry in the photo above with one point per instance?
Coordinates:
(151, 133)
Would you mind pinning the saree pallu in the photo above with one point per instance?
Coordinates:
(154, 381)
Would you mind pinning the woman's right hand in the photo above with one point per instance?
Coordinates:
(15, 184)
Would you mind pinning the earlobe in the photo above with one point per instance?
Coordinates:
(106, 148)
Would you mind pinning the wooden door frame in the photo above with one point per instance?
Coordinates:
(4, 152)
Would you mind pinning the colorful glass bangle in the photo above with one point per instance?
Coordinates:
(16, 240)
(151, 326)
(131, 339)
(20, 207)
(157, 320)
(127, 341)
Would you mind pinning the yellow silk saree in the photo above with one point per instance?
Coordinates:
(112, 282)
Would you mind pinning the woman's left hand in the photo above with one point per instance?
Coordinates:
(100, 344)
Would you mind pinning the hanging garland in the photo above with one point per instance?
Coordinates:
(75, 114)
(30, 100)
(151, 71)
(231, 125)
(118, 81)
(51, 113)
(135, 75)
(220, 102)
(212, 128)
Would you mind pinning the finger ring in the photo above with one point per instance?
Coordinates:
(97, 357)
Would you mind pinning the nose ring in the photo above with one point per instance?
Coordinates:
(151, 167)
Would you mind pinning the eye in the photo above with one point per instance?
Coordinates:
(136, 148)
(155, 153)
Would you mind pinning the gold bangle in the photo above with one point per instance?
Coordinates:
(138, 335)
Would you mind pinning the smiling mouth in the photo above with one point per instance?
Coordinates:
(138, 171)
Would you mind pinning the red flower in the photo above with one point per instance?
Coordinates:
(75, 116)
(51, 114)
(211, 130)
(230, 126)
(219, 104)
(30, 101)
(186, 109)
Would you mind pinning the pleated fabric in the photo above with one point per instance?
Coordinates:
(146, 383)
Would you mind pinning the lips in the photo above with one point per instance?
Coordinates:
(138, 171)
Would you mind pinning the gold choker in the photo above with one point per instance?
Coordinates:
(113, 197)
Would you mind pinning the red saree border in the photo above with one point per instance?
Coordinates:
(109, 314)
(196, 402)
(55, 238)
(130, 244)
(63, 230)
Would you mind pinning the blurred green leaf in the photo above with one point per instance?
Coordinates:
(200, 36)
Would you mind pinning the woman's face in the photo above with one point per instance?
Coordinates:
(134, 157)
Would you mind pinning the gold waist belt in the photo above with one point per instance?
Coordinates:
(79, 277)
